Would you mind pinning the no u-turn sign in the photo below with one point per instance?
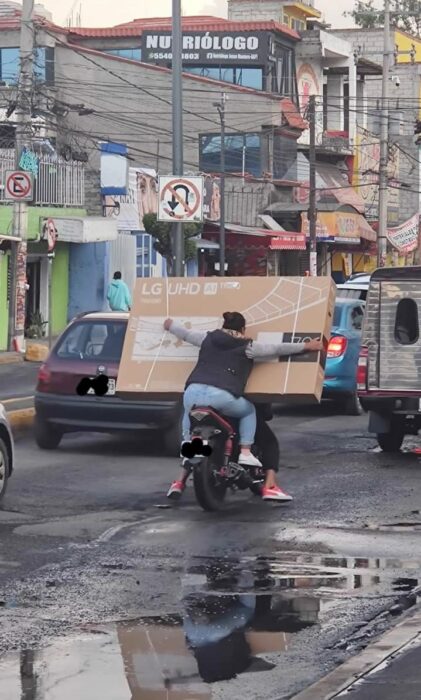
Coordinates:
(181, 199)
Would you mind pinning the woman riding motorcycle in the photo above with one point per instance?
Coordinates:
(219, 380)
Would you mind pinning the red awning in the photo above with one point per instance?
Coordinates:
(288, 241)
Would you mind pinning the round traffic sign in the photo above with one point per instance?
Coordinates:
(182, 199)
(19, 185)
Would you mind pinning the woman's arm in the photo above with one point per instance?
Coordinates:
(255, 351)
(193, 337)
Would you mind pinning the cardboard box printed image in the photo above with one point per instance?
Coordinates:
(277, 309)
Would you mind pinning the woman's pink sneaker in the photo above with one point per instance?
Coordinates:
(176, 490)
(275, 493)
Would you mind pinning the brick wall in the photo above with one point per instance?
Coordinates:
(256, 10)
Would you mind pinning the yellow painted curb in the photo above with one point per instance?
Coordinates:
(36, 353)
(24, 418)
(11, 359)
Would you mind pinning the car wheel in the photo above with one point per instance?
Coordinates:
(352, 405)
(391, 442)
(4, 467)
(47, 436)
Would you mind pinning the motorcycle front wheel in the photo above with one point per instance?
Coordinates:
(210, 490)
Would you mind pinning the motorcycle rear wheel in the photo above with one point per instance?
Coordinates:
(209, 494)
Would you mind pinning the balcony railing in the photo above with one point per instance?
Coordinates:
(58, 183)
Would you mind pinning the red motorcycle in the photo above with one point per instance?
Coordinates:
(214, 451)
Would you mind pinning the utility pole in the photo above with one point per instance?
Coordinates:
(17, 275)
(221, 110)
(384, 144)
(312, 211)
(177, 122)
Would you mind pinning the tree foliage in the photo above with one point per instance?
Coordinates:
(404, 14)
(161, 232)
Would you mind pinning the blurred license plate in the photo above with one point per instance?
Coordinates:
(111, 388)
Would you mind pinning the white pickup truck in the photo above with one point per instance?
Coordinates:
(389, 370)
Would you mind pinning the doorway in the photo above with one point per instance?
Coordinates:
(33, 294)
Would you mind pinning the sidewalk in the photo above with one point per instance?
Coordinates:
(401, 679)
(17, 387)
(387, 669)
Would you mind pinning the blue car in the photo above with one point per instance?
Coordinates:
(342, 355)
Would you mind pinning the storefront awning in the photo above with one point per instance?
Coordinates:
(274, 240)
(288, 241)
(81, 230)
(202, 243)
(331, 181)
(340, 226)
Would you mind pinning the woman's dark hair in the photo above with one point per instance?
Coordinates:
(117, 275)
(234, 321)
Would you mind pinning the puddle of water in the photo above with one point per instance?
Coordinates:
(234, 611)
(164, 657)
(294, 572)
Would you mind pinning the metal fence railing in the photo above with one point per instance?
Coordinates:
(58, 182)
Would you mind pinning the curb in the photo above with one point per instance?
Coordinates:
(356, 668)
(11, 358)
(22, 419)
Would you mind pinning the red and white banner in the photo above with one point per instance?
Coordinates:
(405, 237)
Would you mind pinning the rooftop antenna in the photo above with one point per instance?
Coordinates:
(74, 18)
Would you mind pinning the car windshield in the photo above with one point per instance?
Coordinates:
(345, 293)
(101, 340)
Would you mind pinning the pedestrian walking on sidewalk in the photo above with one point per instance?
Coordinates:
(118, 296)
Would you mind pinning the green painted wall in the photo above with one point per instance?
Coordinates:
(3, 302)
(60, 288)
(34, 215)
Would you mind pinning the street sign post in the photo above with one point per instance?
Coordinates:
(181, 199)
(19, 186)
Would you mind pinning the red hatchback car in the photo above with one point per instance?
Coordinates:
(91, 345)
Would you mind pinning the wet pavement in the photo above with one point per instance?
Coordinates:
(104, 593)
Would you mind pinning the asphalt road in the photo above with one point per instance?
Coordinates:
(17, 384)
(262, 600)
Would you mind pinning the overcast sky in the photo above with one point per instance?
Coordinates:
(108, 12)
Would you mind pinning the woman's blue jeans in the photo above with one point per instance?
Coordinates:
(226, 403)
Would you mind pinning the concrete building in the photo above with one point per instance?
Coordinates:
(404, 108)
(59, 194)
(292, 13)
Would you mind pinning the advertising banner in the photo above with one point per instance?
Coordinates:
(405, 237)
(207, 47)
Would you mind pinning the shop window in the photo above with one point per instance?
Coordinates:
(406, 325)
(284, 156)
(248, 77)
(325, 107)
(43, 65)
(240, 149)
(133, 54)
(346, 107)
(298, 25)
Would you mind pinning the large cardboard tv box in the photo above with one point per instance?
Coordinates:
(277, 309)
